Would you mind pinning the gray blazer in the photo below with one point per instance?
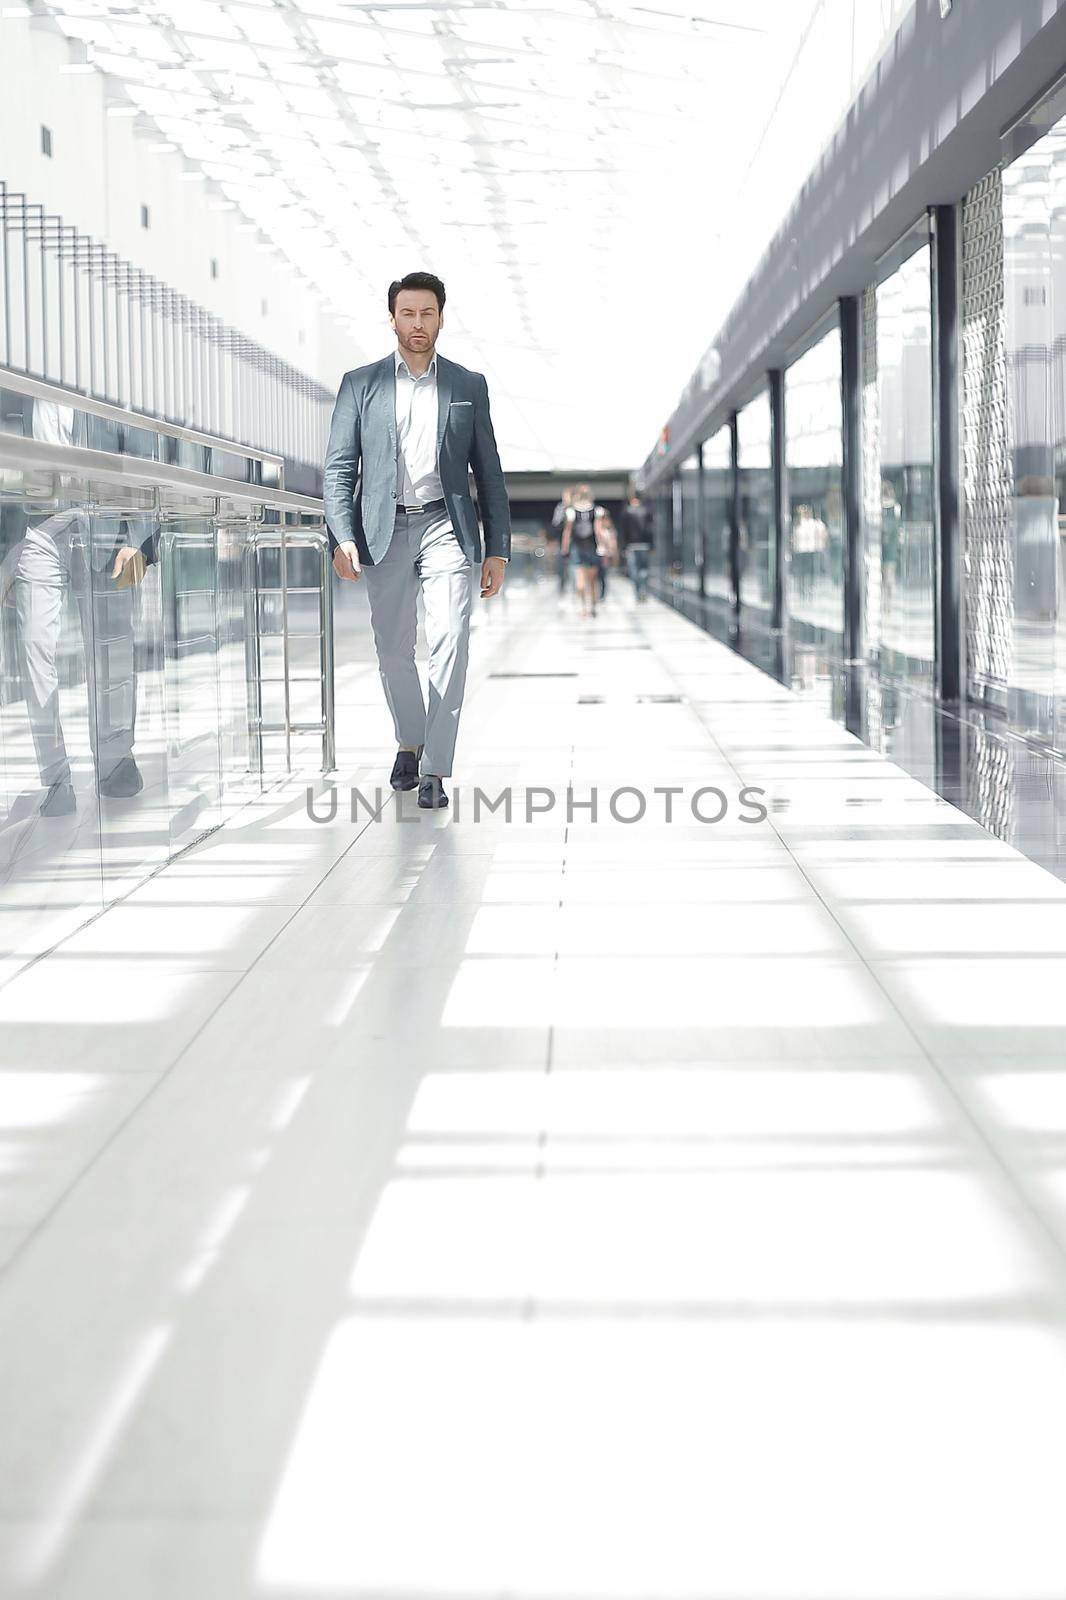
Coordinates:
(361, 461)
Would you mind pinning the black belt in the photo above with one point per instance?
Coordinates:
(430, 505)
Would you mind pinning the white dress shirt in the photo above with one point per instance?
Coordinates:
(417, 478)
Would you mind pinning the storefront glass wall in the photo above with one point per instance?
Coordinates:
(660, 501)
(905, 446)
(815, 453)
(756, 533)
(1034, 228)
(677, 529)
(690, 554)
(717, 512)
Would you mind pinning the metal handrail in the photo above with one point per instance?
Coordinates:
(105, 466)
(61, 395)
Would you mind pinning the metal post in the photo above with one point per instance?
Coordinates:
(90, 258)
(779, 491)
(43, 246)
(285, 642)
(948, 582)
(144, 353)
(5, 272)
(329, 736)
(105, 323)
(851, 370)
(27, 330)
(253, 634)
(75, 278)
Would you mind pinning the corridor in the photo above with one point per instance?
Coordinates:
(458, 1207)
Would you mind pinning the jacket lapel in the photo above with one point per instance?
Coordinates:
(387, 397)
(444, 398)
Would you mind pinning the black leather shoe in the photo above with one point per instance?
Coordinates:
(405, 769)
(123, 781)
(431, 794)
(59, 801)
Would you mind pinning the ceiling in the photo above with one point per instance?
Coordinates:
(575, 171)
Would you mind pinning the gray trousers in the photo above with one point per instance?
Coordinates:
(423, 553)
(53, 558)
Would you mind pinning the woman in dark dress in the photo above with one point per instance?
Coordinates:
(584, 542)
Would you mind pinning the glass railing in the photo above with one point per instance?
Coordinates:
(165, 652)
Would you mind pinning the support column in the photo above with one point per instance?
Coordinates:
(779, 489)
(854, 566)
(734, 516)
(946, 379)
(701, 513)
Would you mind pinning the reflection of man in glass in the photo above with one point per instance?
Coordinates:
(809, 538)
(1036, 522)
(833, 532)
(71, 550)
(891, 517)
(743, 542)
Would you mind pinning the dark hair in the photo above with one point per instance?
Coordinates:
(416, 280)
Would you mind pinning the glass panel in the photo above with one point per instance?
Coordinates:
(235, 614)
(675, 522)
(815, 454)
(756, 503)
(717, 512)
(689, 553)
(49, 826)
(127, 664)
(1034, 227)
(128, 702)
(905, 407)
(663, 550)
(192, 719)
(305, 655)
(305, 701)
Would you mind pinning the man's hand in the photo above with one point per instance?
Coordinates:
(492, 576)
(130, 566)
(346, 561)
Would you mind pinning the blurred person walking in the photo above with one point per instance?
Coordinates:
(610, 545)
(637, 541)
(583, 534)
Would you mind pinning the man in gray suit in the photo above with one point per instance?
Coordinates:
(406, 433)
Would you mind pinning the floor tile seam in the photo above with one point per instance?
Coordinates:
(543, 1133)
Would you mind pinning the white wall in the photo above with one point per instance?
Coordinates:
(102, 171)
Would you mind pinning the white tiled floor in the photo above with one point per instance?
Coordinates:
(560, 1210)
